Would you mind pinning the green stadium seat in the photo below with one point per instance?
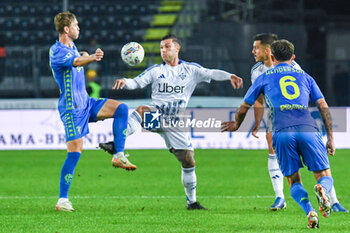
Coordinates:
(170, 6)
(166, 9)
(156, 33)
(164, 20)
(172, 3)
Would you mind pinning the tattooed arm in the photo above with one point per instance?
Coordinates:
(327, 121)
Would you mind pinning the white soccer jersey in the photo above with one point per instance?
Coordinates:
(172, 86)
(260, 68)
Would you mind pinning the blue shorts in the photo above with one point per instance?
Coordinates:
(76, 121)
(297, 145)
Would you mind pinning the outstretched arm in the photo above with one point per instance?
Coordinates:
(86, 58)
(220, 75)
(327, 122)
(239, 117)
(129, 84)
(142, 80)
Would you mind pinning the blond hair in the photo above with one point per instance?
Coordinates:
(63, 19)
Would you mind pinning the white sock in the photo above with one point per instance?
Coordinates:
(62, 199)
(134, 123)
(189, 180)
(332, 196)
(275, 175)
(118, 155)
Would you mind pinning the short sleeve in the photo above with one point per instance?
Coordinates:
(315, 92)
(63, 58)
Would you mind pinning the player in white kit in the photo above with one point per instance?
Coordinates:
(262, 55)
(173, 83)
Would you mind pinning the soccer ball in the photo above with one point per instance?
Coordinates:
(132, 53)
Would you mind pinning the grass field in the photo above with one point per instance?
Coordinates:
(233, 184)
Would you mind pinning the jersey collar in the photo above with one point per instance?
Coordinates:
(180, 61)
(283, 64)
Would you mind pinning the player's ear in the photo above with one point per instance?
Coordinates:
(293, 57)
(178, 46)
(273, 58)
(66, 29)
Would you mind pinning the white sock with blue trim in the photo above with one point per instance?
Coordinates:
(332, 196)
(275, 175)
(189, 180)
(134, 123)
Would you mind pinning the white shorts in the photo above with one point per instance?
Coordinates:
(176, 139)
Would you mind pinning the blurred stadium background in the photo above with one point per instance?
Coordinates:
(214, 33)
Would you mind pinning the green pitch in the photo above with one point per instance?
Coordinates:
(233, 184)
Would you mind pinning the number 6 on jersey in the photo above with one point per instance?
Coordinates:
(289, 81)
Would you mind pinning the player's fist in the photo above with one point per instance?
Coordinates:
(119, 84)
(99, 54)
(330, 147)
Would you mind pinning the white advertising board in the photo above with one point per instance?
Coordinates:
(43, 129)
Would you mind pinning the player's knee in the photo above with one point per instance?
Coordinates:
(185, 157)
(188, 162)
(142, 109)
(75, 145)
(121, 111)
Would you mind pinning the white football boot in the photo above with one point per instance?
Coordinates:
(64, 204)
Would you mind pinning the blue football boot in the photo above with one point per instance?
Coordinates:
(337, 207)
(279, 204)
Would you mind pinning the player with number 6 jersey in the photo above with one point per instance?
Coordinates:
(293, 94)
(295, 135)
(262, 54)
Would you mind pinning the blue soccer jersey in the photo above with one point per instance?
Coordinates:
(70, 79)
(287, 92)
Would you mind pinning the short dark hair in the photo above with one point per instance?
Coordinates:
(172, 36)
(266, 38)
(282, 50)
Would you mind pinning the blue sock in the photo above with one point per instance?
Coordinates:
(326, 182)
(300, 196)
(120, 124)
(67, 173)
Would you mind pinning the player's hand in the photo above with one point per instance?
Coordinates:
(236, 82)
(330, 147)
(119, 84)
(255, 130)
(98, 54)
(229, 126)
